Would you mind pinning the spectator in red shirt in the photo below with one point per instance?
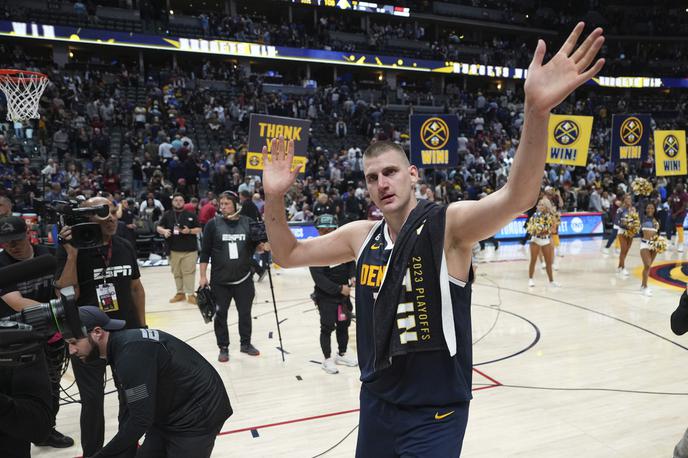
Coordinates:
(207, 212)
(192, 206)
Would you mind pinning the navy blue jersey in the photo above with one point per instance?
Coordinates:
(418, 378)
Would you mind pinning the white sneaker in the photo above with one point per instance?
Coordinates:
(647, 291)
(680, 248)
(542, 266)
(554, 284)
(555, 266)
(531, 283)
(605, 250)
(329, 367)
(624, 272)
(617, 251)
(344, 360)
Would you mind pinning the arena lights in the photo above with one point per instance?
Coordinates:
(302, 55)
(366, 7)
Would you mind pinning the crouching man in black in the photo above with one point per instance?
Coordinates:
(332, 289)
(173, 395)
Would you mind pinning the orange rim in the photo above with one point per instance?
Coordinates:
(25, 75)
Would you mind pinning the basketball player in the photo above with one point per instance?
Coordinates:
(413, 286)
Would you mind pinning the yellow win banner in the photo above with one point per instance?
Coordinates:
(670, 152)
(568, 139)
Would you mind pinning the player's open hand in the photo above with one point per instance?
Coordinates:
(278, 175)
(548, 85)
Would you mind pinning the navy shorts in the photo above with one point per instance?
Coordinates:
(387, 430)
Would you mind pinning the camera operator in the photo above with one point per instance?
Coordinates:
(227, 241)
(173, 395)
(109, 276)
(180, 228)
(332, 289)
(18, 248)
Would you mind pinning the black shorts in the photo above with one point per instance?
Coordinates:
(389, 431)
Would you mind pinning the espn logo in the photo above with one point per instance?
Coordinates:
(112, 272)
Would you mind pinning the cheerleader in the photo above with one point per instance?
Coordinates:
(627, 220)
(540, 228)
(649, 227)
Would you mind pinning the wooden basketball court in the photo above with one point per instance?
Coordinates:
(590, 369)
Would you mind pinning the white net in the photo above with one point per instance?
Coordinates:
(22, 91)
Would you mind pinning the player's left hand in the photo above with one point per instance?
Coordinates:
(548, 85)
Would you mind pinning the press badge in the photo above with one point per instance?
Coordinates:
(107, 297)
(233, 250)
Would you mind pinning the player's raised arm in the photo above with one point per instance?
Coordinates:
(334, 248)
(546, 87)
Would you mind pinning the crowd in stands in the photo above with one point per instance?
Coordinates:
(90, 124)
(427, 39)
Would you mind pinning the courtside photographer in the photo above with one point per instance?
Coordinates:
(104, 271)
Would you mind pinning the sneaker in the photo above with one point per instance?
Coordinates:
(531, 283)
(617, 251)
(605, 250)
(56, 440)
(554, 284)
(177, 298)
(344, 360)
(542, 265)
(646, 291)
(329, 366)
(249, 350)
(624, 272)
(191, 299)
(619, 270)
(680, 248)
(555, 266)
(223, 357)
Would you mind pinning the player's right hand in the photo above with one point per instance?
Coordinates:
(278, 175)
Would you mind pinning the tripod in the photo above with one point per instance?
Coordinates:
(274, 305)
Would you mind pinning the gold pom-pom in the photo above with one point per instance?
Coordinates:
(659, 244)
(631, 224)
(641, 187)
(540, 225)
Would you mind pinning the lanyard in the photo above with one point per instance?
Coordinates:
(106, 260)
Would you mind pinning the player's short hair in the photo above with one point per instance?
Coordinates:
(381, 147)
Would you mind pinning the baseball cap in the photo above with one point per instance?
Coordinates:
(92, 316)
(326, 221)
(12, 228)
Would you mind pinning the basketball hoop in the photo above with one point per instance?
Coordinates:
(23, 90)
